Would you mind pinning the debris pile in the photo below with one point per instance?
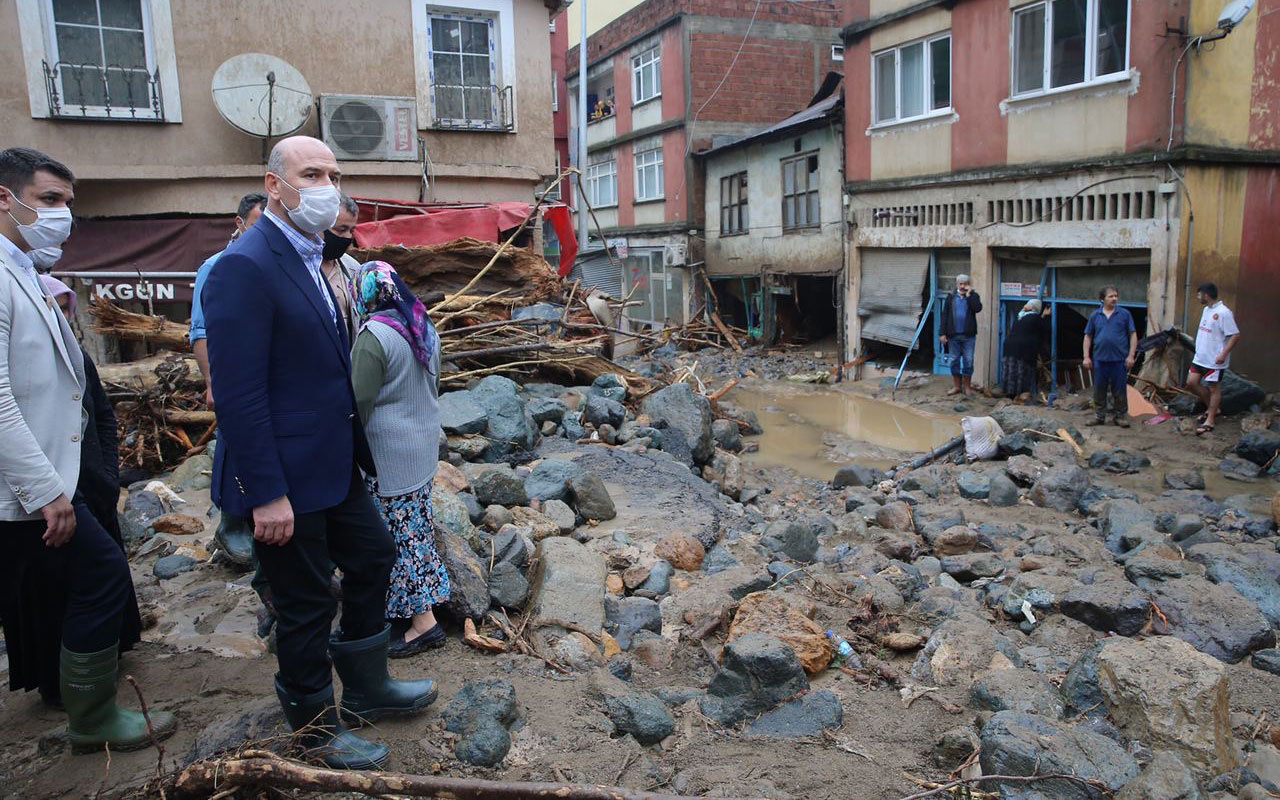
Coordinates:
(160, 412)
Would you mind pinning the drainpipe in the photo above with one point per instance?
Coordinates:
(582, 132)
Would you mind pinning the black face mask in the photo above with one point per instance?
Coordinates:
(335, 246)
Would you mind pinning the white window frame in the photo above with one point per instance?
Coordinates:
(555, 91)
(504, 27)
(35, 27)
(650, 59)
(837, 52)
(649, 160)
(927, 84)
(1091, 78)
(596, 174)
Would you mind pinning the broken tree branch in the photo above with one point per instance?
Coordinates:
(1055, 776)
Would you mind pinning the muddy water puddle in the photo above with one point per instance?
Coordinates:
(814, 429)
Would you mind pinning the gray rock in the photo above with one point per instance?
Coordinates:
(591, 498)
(497, 484)
(971, 566)
(1237, 469)
(561, 514)
(1002, 492)
(510, 545)
(727, 435)
(194, 473)
(1080, 688)
(1184, 526)
(973, 485)
(638, 713)
(1150, 566)
(1267, 660)
(629, 615)
(1119, 516)
(460, 414)
(1060, 488)
(895, 516)
(603, 411)
(718, 559)
(1043, 590)
(805, 718)
(1238, 396)
(466, 448)
(685, 419)
(481, 713)
(475, 511)
(857, 475)
(173, 566)
(547, 409)
(452, 514)
(1119, 462)
(1016, 690)
(141, 508)
(467, 575)
(1260, 446)
(1164, 778)
(550, 479)
(611, 385)
(757, 673)
(510, 427)
(1025, 470)
(260, 721)
(484, 743)
(1253, 572)
(1109, 605)
(1095, 498)
(733, 411)
(915, 482)
(496, 517)
(659, 581)
(960, 648)
(1212, 617)
(571, 426)
(954, 747)
(794, 539)
(508, 587)
(569, 584)
(1014, 743)
(1017, 443)
(1184, 479)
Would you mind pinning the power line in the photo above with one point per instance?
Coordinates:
(689, 140)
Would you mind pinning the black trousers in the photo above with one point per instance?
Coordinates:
(351, 535)
(74, 595)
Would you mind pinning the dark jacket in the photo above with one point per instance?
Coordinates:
(99, 484)
(281, 371)
(1026, 338)
(970, 320)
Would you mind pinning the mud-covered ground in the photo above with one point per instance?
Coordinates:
(202, 658)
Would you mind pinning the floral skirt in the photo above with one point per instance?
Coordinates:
(419, 579)
(1019, 376)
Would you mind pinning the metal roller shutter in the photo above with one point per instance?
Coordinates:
(599, 273)
(891, 293)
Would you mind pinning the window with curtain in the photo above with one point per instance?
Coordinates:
(649, 174)
(912, 80)
(1064, 43)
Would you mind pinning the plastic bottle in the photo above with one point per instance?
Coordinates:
(844, 650)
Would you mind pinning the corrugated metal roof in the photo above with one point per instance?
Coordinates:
(813, 113)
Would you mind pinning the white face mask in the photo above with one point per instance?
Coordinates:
(45, 257)
(50, 229)
(317, 209)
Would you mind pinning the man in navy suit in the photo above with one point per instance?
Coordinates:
(288, 459)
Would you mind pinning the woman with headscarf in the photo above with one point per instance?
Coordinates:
(33, 663)
(1021, 348)
(394, 365)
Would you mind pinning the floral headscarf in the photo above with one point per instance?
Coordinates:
(378, 292)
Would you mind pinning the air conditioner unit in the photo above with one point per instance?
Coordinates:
(368, 128)
(675, 255)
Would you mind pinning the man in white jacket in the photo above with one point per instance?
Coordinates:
(47, 538)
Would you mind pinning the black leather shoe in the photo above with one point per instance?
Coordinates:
(315, 718)
(369, 693)
(419, 644)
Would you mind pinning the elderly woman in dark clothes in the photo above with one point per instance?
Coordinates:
(1021, 348)
(394, 366)
(33, 663)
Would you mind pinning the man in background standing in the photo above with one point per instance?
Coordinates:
(960, 331)
(1217, 337)
(1110, 347)
(247, 214)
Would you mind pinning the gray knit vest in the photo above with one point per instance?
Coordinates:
(404, 428)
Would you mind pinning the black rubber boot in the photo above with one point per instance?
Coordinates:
(315, 719)
(369, 693)
(94, 721)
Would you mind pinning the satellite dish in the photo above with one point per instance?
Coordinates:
(262, 95)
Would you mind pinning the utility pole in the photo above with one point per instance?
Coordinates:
(582, 131)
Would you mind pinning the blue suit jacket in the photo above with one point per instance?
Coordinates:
(281, 377)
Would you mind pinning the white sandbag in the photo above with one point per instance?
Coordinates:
(981, 435)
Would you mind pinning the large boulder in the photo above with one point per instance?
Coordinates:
(460, 414)
(1213, 617)
(480, 714)
(632, 711)
(568, 585)
(467, 575)
(686, 419)
(1016, 690)
(857, 475)
(1108, 605)
(1019, 744)
(1260, 447)
(757, 673)
(510, 428)
(1164, 778)
(1119, 462)
(1238, 396)
(1165, 693)
(1060, 488)
(776, 615)
(1252, 570)
(497, 484)
(601, 410)
(591, 498)
(805, 718)
(960, 649)
(550, 479)
(627, 616)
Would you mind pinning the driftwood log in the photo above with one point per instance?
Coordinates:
(261, 769)
(112, 320)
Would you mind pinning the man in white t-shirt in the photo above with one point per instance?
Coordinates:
(1217, 337)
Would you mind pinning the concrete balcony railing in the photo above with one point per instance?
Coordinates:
(601, 130)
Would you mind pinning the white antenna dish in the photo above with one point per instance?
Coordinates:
(262, 95)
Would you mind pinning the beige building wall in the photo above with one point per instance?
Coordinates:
(203, 165)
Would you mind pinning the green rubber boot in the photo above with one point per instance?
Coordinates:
(315, 720)
(369, 693)
(94, 721)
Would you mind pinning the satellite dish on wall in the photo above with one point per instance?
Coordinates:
(262, 95)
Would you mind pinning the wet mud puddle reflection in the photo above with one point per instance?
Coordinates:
(815, 429)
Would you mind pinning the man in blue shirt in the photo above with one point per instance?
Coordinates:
(1110, 346)
(250, 209)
